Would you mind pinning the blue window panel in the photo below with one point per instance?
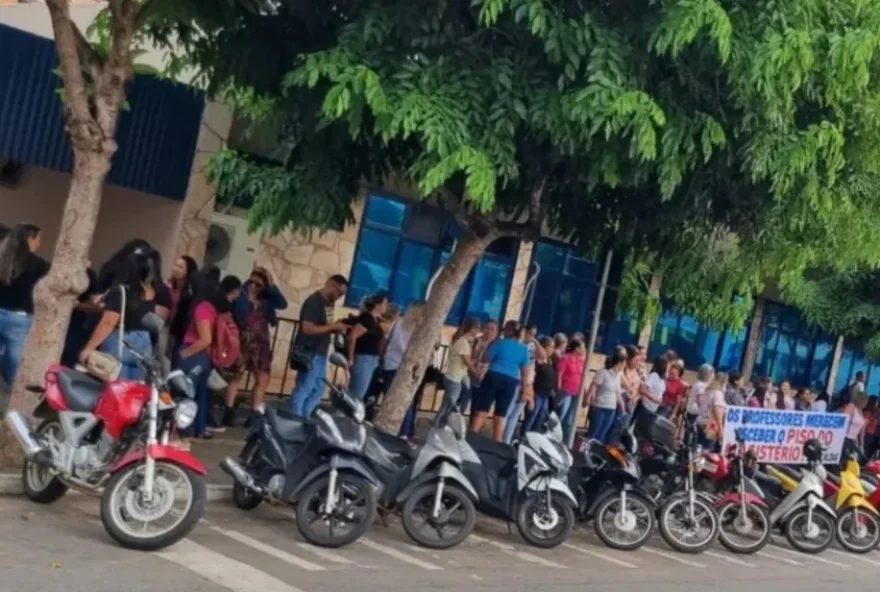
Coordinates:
(821, 366)
(622, 331)
(782, 360)
(457, 312)
(844, 371)
(800, 369)
(706, 347)
(578, 267)
(731, 351)
(540, 309)
(873, 385)
(373, 264)
(571, 307)
(488, 292)
(385, 212)
(860, 364)
(550, 256)
(412, 273)
(664, 333)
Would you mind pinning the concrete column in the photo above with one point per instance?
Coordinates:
(517, 299)
(835, 366)
(647, 330)
(754, 339)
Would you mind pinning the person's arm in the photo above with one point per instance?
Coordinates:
(649, 394)
(540, 352)
(204, 328)
(561, 369)
(102, 331)
(275, 298)
(355, 334)
(591, 391)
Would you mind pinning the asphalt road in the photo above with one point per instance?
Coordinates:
(64, 547)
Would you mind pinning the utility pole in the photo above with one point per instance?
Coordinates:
(591, 345)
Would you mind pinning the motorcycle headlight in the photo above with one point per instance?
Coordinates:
(185, 413)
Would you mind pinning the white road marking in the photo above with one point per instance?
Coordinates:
(730, 559)
(221, 570)
(807, 557)
(327, 555)
(608, 558)
(268, 550)
(671, 557)
(855, 556)
(521, 555)
(392, 552)
(779, 558)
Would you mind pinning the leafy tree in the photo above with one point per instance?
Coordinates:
(721, 142)
(94, 93)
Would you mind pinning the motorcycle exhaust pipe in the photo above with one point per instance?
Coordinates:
(232, 468)
(23, 434)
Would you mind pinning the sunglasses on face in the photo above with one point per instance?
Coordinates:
(258, 285)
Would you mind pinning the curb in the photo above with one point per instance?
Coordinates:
(10, 485)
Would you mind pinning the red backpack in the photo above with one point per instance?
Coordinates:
(227, 343)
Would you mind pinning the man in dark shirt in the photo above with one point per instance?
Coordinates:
(312, 344)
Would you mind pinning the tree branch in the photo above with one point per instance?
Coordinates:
(530, 229)
(110, 87)
(91, 61)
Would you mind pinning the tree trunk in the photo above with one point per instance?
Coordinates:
(417, 356)
(650, 321)
(54, 296)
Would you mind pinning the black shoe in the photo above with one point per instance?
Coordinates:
(229, 417)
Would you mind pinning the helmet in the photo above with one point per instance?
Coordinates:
(813, 450)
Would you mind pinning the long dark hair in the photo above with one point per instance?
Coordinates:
(135, 273)
(191, 269)
(208, 289)
(115, 267)
(469, 324)
(15, 251)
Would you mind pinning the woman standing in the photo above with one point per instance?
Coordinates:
(460, 364)
(490, 334)
(710, 422)
(631, 383)
(20, 270)
(655, 385)
(194, 350)
(545, 386)
(785, 399)
(256, 310)
(508, 360)
(398, 339)
(803, 400)
(125, 305)
(570, 370)
(705, 376)
(365, 342)
(605, 398)
(853, 406)
(180, 286)
(820, 405)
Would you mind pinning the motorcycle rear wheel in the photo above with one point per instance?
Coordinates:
(310, 510)
(757, 514)
(125, 483)
(38, 485)
(533, 509)
(794, 522)
(423, 498)
(679, 502)
(867, 520)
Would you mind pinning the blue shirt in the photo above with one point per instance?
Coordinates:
(508, 356)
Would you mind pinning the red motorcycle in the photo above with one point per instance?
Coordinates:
(115, 436)
(743, 515)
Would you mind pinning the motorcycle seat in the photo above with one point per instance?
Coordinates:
(392, 444)
(790, 471)
(80, 391)
(486, 445)
(835, 479)
(288, 426)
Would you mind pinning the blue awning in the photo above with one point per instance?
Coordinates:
(157, 135)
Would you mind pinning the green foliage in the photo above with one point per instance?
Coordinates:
(718, 142)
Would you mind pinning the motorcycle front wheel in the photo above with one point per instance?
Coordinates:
(810, 536)
(454, 524)
(626, 528)
(544, 524)
(858, 530)
(743, 532)
(175, 508)
(686, 533)
(353, 512)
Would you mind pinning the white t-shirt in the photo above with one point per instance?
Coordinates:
(656, 386)
(819, 406)
(709, 401)
(455, 368)
(607, 389)
(695, 395)
(398, 338)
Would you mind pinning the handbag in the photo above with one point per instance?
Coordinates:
(104, 366)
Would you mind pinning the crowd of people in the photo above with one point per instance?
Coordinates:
(200, 309)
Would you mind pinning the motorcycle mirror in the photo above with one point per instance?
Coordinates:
(338, 360)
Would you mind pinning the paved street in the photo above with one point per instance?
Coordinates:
(64, 547)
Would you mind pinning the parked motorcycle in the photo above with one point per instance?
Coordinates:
(743, 515)
(606, 480)
(808, 522)
(427, 483)
(688, 521)
(858, 523)
(527, 484)
(115, 436)
(317, 465)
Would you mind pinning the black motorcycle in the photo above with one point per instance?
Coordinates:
(317, 465)
(606, 483)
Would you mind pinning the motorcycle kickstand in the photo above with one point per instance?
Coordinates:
(383, 516)
(509, 527)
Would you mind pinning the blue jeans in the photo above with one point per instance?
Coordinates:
(567, 412)
(139, 341)
(309, 388)
(513, 412)
(601, 424)
(14, 329)
(362, 374)
(201, 360)
(536, 416)
(464, 399)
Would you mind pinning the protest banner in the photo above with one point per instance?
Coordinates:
(777, 436)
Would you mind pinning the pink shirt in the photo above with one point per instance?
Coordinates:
(204, 312)
(570, 368)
